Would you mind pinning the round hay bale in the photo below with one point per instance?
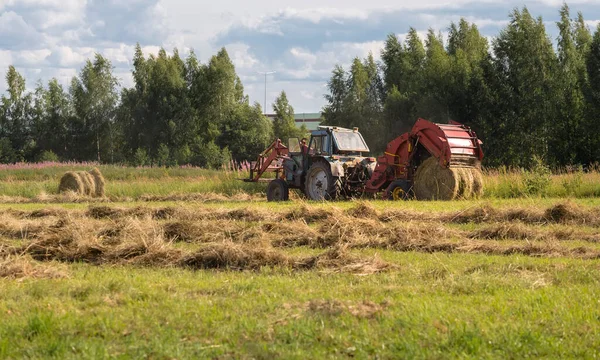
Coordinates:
(99, 181)
(477, 183)
(71, 181)
(433, 182)
(465, 184)
(89, 184)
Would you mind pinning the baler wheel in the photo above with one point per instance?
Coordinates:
(399, 190)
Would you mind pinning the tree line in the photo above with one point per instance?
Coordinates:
(527, 97)
(178, 111)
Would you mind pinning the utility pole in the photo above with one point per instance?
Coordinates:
(265, 73)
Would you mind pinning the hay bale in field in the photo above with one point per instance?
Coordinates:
(71, 181)
(477, 182)
(99, 180)
(433, 182)
(465, 184)
(89, 183)
(83, 183)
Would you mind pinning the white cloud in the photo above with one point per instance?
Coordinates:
(592, 23)
(241, 57)
(30, 58)
(6, 59)
(15, 32)
(64, 56)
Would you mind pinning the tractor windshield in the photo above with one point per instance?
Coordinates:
(350, 141)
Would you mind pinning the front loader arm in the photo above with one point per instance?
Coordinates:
(266, 158)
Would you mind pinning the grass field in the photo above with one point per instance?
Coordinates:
(39, 183)
(161, 272)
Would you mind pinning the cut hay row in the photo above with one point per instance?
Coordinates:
(150, 240)
(142, 242)
(76, 197)
(24, 267)
(191, 222)
(562, 213)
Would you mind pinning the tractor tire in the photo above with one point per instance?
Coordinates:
(320, 184)
(399, 190)
(278, 190)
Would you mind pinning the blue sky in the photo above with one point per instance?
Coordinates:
(300, 40)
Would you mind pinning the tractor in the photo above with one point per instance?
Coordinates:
(333, 165)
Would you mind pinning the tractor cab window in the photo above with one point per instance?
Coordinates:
(350, 141)
(319, 145)
(294, 145)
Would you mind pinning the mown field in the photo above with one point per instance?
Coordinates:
(187, 263)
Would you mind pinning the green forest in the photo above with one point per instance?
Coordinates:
(528, 96)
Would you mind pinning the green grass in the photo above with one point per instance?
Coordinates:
(434, 306)
(128, 182)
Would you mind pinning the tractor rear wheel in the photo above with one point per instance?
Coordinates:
(320, 184)
(278, 190)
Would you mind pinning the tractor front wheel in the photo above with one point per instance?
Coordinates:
(278, 190)
(320, 184)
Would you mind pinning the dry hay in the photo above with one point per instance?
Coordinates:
(477, 214)
(507, 230)
(139, 236)
(114, 213)
(520, 231)
(104, 212)
(477, 182)
(212, 231)
(234, 256)
(141, 242)
(71, 181)
(83, 183)
(210, 197)
(565, 213)
(182, 231)
(569, 212)
(363, 210)
(311, 214)
(290, 234)
(346, 230)
(246, 214)
(99, 182)
(24, 228)
(397, 215)
(80, 241)
(24, 267)
(465, 184)
(434, 182)
(36, 214)
(339, 259)
(89, 183)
